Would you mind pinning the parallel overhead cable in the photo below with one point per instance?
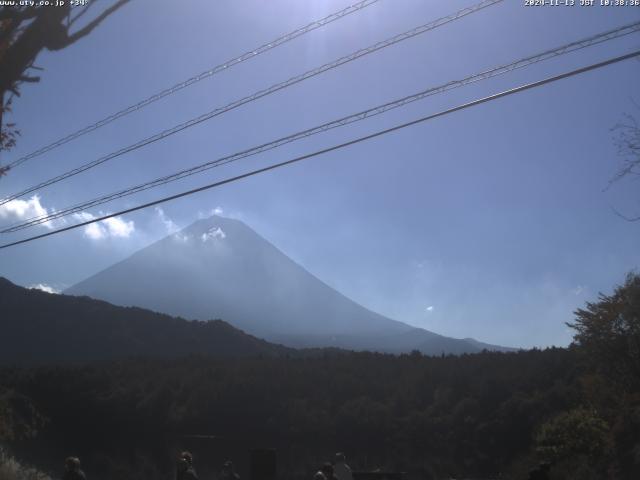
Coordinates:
(500, 70)
(262, 93)
(197, 78)
(335, 147)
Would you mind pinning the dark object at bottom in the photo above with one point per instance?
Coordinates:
(378, 476)
(263, 464)
(541, 472)
(74, 475)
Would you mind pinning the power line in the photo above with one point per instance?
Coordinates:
(262, 93)
(197, 78)
(500, 70)
(336, 147)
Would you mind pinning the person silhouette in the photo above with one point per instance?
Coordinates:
(184, 467)
(72, 469)
(228, 473)
(341, 469)
(327, 470)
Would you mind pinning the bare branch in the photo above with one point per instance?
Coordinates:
(621, 215)
(627, 142)
(94, 23)
(82, 12)
(24, 33)
(28, 79)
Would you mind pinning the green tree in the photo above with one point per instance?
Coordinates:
(573, 433)
(577, 443)
(18, 417)
(608, 331)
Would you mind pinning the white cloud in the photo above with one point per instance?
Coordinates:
(19, 210)
(93, 231)
(213, 211)
(167, 222)
(44, 287)
(110, 227)
(118, 227)
(83, 216)
(171, 226)
(213, 233)
(429, 309)
(578, 290)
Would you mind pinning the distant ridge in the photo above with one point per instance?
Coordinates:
(220, 268)
(43, 328)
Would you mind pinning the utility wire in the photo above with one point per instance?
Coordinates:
(500, 70)
(336, 147)
(262, 93)
(197, 78)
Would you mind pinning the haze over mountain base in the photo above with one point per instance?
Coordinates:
(220, 268)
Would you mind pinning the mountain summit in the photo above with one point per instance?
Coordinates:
(220, 268)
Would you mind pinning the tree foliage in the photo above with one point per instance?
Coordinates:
(577, 432)
(25, 31)
(474, 414)
(19, 419)
(609, 332)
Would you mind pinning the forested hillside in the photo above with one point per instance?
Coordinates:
(471, 414)
(479, 415)
(43, 328)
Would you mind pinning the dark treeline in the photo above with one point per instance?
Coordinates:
(477, 414)
(472, 415)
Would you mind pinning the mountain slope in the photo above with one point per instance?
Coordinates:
(220, 268)
(38, 327)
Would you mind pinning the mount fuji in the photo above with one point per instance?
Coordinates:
(219, 268)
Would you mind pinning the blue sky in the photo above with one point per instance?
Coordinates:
(490, 223)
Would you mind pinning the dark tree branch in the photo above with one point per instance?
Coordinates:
(28, 79)
(621, 215)
(19, 14)
(627, 142)
(95, 22)
(82, 12)
(24, 33)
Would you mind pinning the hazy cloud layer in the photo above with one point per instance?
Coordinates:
(111, 227)
(169, 224)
